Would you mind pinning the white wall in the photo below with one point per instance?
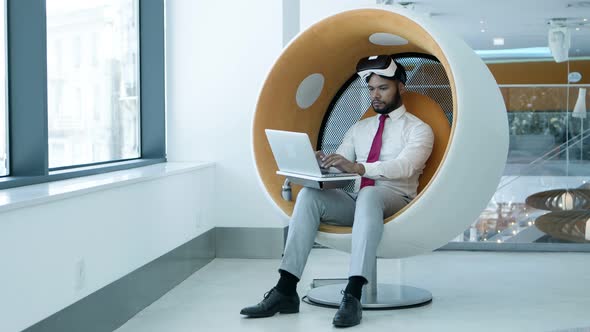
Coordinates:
(218, 55)
(113, 232)
(313, 11)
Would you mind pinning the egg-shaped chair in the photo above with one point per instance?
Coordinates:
(471, 138)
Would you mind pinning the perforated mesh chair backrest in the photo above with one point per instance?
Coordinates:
(426, 76)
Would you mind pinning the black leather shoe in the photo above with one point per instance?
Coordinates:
(273, 302)
(350, 312)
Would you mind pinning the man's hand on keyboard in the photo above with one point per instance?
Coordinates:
(341, 163)
(319, 155)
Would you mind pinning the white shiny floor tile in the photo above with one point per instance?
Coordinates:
(472, 291)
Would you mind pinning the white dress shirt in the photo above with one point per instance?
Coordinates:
(407, 144)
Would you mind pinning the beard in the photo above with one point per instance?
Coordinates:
(387, 108)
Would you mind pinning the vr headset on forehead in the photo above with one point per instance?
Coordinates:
(382, 65)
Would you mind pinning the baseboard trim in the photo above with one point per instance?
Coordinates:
(515, 247)
(243, 242)
(110, 307)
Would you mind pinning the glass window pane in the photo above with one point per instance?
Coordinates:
(545, 157)
(3, 107)
(93, 81)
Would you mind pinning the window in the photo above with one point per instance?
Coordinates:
(548, 151)
(3, 112)
(74, 88)
(98, 41)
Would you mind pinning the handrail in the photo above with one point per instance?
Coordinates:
(579, 138)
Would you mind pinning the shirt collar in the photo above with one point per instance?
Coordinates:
(395, 114)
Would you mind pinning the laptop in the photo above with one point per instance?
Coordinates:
(295, 157)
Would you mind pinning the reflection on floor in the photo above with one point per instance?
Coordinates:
(472, 291)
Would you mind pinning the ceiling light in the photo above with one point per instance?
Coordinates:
(518, 53)
(498, 41)
(481, 22)
(483, 30)
(578, 29)
(585, 20)
(580, 107)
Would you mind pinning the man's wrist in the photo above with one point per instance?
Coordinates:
(360, 168)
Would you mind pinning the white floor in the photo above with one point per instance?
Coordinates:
(472, 291)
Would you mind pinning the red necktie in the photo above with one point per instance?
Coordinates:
(375, 149)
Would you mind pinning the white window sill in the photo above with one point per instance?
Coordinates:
(15, 198)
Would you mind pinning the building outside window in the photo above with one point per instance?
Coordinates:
(93, 81)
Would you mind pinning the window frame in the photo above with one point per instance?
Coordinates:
(26, 70)
(5, 115)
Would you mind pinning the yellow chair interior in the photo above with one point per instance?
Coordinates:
(332, 48)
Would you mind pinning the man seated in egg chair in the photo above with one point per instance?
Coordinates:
(389, 151)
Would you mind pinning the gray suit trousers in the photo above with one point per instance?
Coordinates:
(364, 211)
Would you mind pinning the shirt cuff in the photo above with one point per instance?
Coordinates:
(371, 170)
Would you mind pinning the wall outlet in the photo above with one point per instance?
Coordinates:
(80, 277)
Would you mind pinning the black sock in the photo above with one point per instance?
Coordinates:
(355, 286)
(287, 284)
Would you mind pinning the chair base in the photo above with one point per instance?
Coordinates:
(388, 296)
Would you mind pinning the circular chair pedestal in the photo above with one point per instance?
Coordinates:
(388, 296)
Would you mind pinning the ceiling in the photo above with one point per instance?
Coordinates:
(522, 23)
